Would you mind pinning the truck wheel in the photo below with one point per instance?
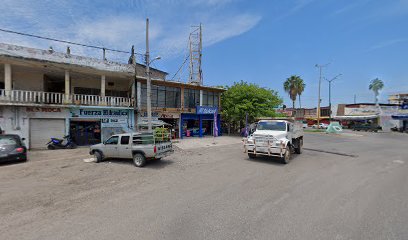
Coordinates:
(251, 155)
(139, 160)
(298, 150)
(286, 158)
(98, 156)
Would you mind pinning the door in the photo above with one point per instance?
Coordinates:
(42, 130)
(124, 148)
(110, 149)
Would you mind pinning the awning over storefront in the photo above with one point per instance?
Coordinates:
(155, 123)
(400, 116)
(362, 117)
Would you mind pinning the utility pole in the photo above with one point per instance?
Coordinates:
(319, 100)
(355, 98)
(148, 82)
(330, 81)
(135, 109)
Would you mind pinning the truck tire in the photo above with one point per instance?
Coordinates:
(287, 156)
(251, 155)
(98, 156)
(139, 160)
(298, 149)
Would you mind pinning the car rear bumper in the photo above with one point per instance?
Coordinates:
(13, 157)
(164, 154)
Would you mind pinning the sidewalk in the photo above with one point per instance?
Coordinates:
(196, 142)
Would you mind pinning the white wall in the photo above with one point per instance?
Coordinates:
(119, 84)
(15, 120)
(33, 81)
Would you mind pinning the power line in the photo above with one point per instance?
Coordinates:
(180, 68)
(64, 41)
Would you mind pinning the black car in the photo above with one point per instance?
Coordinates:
(12, 148)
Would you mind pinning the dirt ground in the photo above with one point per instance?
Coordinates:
(353, 189)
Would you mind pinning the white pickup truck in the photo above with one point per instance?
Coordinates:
(137, 146)
(276, 137)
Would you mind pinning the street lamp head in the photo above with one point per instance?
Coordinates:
(157, 58)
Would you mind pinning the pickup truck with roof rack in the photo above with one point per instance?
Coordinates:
(139, 146)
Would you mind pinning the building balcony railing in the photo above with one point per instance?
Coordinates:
(36, 97)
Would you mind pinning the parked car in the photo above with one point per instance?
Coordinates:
(137, 146)
(322, 125)
(366, 127)
(12, 148)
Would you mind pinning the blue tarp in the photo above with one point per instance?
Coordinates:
(400, 116)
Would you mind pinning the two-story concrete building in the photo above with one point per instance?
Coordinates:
(46, 94)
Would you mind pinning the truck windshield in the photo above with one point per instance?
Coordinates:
(276, 126)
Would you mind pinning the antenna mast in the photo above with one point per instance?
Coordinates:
(196, 47)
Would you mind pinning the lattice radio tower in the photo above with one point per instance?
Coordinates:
(196, 47)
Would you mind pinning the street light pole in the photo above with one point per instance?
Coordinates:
(330, 81)
(148, 81)
(318, 100)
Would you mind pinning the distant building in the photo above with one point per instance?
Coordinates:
(355, 113)
(308, 114)
(398, 98)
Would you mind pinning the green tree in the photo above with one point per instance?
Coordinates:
(294, 86)
(247, 98)
(376, 85)
(300, 87)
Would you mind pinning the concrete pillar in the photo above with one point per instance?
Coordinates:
(7, 79)
(182, 97)
(67, 84)
(200, 131)
(201, 97)
(103, 81)
(139, 95)
(67, 87)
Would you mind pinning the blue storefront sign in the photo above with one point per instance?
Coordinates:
(203, 113)
(206, 110)
(404, 106)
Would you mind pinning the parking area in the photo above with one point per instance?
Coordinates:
(332, 191)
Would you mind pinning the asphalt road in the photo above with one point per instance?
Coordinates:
(356, 189)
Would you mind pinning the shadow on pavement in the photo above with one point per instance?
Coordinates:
(154, 164)
(8, 163)
(272, 160)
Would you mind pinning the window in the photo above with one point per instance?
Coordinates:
(124, 140)
(191, 98)
(162, 96)
(112, 140)
(143, 139)
(274, 126)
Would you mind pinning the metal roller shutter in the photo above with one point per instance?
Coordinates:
(41, 131)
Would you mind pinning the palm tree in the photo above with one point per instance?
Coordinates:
(376, 85)
(300, 87)
(290, 87)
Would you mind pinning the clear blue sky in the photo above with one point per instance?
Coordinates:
(263, 42)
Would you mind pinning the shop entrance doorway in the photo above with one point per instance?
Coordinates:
(85, 132)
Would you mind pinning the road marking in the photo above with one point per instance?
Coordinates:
(398, 161)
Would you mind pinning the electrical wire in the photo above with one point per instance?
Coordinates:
(180, 68)
(64, 41)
